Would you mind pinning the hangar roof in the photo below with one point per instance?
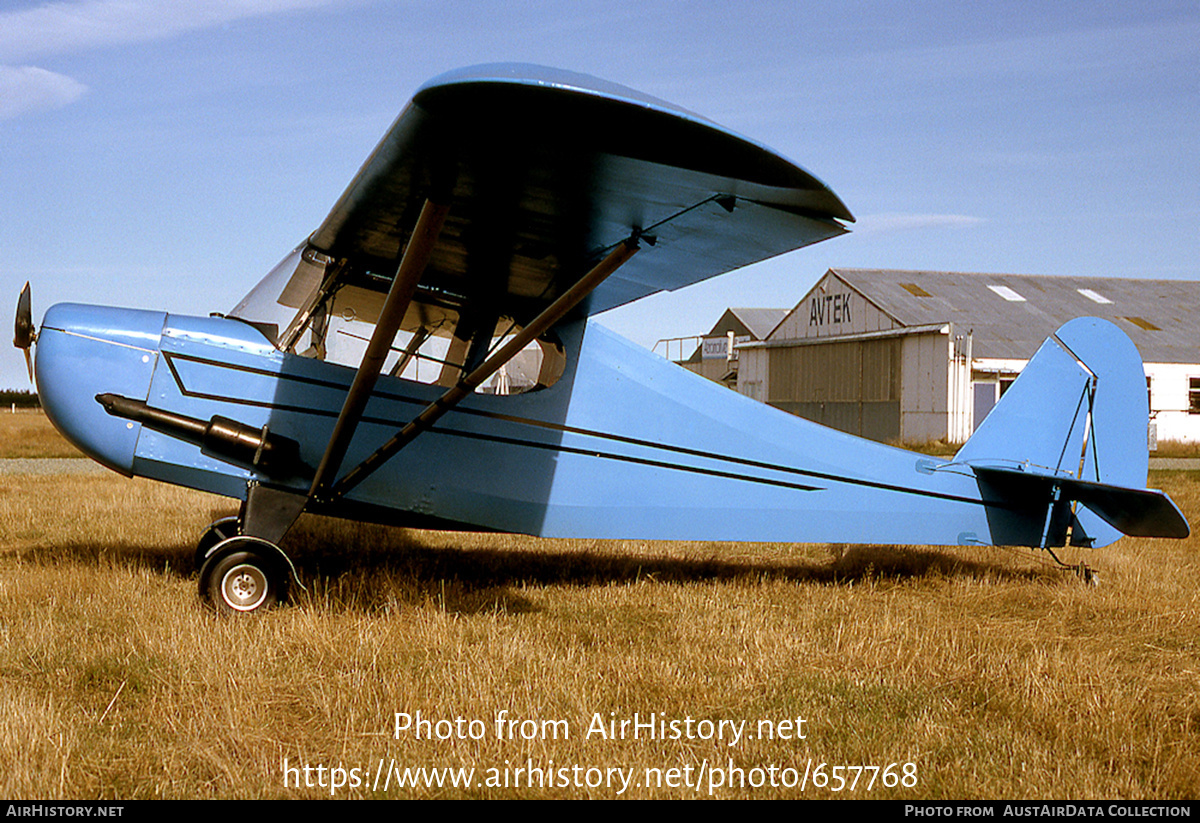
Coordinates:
(1011, 314)
(758, 323)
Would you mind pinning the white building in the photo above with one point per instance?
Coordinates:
(916, 355)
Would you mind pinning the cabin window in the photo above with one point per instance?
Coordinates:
(1194, 395)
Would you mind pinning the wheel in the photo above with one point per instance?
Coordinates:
(243, 575)
(217, 532)
(241, 582)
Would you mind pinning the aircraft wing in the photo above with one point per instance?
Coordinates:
(545, 171)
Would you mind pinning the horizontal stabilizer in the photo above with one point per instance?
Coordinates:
(1136, 512)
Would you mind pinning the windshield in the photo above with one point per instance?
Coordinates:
(275, 302)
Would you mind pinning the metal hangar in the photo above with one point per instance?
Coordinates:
(912, 356)
(716, 356)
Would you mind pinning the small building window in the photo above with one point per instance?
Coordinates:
(1194, 395)
(1094, 296)
(1008, 294)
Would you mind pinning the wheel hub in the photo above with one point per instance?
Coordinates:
(244, 588)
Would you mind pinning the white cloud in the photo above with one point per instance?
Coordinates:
(28, 89)
(68, 27)
(57, 28)
(899, 221)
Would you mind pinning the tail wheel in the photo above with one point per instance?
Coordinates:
(243, 575)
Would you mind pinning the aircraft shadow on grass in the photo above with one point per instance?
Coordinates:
(385, 568)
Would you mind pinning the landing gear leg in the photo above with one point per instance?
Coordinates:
(1083, 571)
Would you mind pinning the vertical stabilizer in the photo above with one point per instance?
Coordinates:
(1078, 412)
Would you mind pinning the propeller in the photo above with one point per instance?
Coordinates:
(24, 334)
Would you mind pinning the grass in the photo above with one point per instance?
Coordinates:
(944, 449)
(1175, 448)
(29, 433)
(996, 674)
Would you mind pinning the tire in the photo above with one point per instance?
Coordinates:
(242, 578)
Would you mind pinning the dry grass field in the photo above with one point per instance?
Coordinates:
(27, 433)
(995, 674)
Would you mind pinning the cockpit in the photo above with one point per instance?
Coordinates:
(313, 306)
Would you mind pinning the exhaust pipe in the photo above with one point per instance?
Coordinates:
(220, 437)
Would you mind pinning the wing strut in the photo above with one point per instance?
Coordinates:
(404, 285)
(465, 386)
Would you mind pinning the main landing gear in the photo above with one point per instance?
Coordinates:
(240, 574)
(242, 568)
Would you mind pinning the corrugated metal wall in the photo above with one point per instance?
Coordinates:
(712, 370)
(925, 389)
(852, 386)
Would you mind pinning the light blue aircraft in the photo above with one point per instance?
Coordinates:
(425, 358)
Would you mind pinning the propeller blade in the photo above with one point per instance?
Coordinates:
(23, 331)
(23, 334)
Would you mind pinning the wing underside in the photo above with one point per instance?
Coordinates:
(545, 172)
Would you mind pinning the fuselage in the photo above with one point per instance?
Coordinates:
(623, 445)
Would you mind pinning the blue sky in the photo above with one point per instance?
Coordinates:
(166, 155)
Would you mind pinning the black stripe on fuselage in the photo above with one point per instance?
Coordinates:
(557, 427)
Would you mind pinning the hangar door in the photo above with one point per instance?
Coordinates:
(852, 386)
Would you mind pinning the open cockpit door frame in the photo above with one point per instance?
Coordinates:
(466, 385)
(404, 286)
